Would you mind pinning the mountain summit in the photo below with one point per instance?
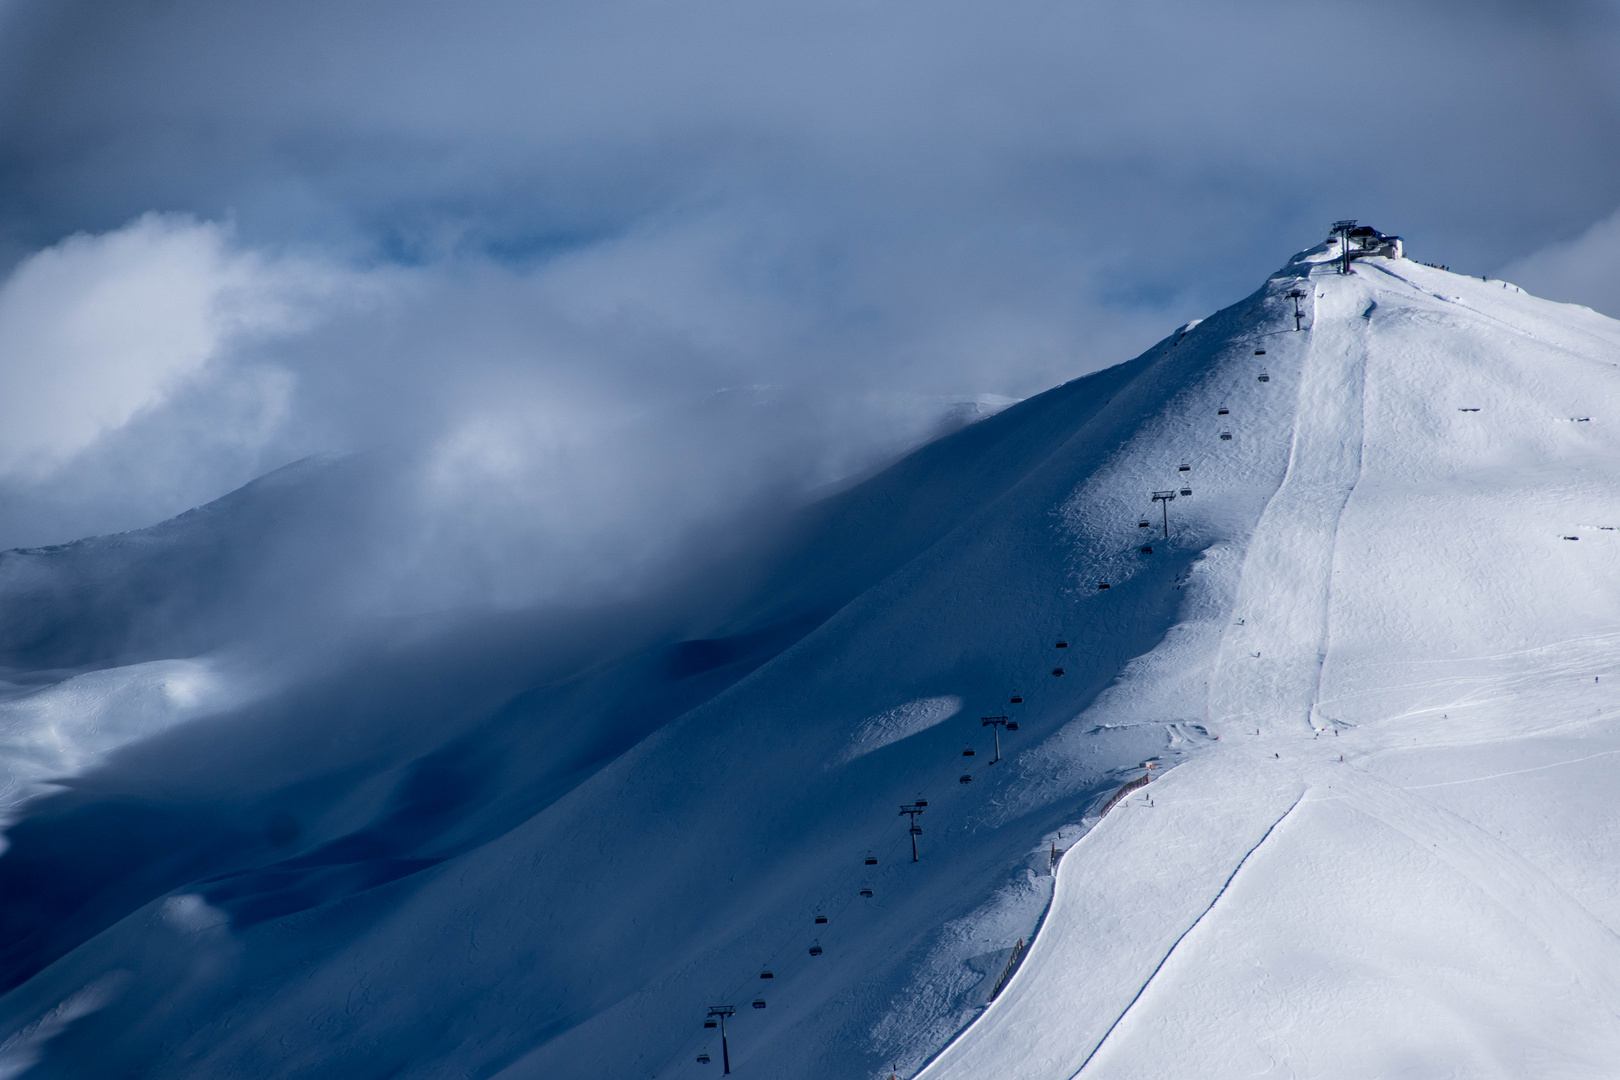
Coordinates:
(1338, 562)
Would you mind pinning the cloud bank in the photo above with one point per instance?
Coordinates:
(1585, 270)
(97, 330)
(602, 277)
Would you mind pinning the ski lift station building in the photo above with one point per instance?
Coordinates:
(1364, 242)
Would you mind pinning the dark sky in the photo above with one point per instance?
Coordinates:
(601, 272)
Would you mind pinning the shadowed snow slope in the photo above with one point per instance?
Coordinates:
(544, 846)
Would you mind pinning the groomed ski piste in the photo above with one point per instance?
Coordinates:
(1372, 664)
(1403, 858)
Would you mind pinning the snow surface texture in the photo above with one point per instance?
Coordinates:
(62, 729)
(1445, 901)
(439, 855)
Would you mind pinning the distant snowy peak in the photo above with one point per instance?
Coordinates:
(176, 588)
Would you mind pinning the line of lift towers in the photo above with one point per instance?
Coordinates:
(1349, 235)
(1355, 242)
(719, 1014)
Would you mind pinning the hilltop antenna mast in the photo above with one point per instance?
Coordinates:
(1296, 295)
(1165, 497)
(916, 830)
(722, 1011)
(1341, 229)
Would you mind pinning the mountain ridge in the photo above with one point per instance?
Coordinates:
(590, 931)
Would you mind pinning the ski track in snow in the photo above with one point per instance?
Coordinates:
(1360, 568)
(1395, 928)
(1166, 959)
(1515, 772)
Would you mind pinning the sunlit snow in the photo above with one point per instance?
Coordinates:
(1371, 665)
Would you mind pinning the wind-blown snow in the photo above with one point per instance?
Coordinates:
(67, 727)
(507, 849)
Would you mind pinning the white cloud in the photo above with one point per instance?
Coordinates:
(96, 330)
(1585, 270)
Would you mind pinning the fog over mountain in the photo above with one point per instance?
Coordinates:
(500, 502)
(518, 245)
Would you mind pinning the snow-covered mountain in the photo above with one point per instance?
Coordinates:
(1366, 662)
